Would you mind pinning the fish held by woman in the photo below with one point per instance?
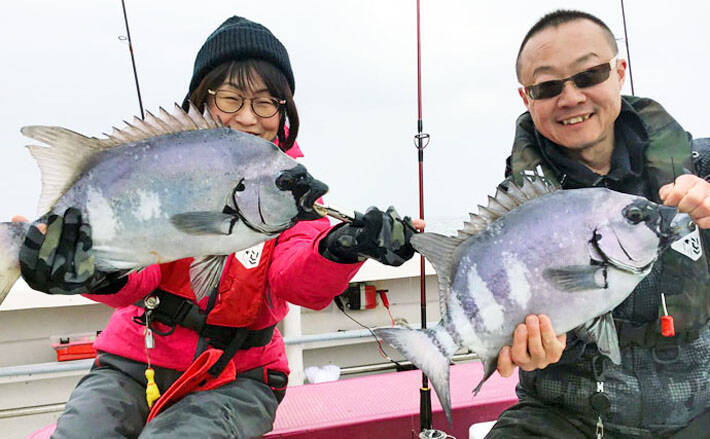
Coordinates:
(169, 187)
(573, 255)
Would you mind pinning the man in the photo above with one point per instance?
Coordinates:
(580, 132)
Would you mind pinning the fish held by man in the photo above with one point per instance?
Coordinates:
(573, 255)
(169, 187)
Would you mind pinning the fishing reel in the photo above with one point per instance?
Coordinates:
(434, 434)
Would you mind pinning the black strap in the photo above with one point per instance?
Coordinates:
(277, 380)
(648, 336)
(229, 351)
(175, 310)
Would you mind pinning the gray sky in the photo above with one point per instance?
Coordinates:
(355, 70)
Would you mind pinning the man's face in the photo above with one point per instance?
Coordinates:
(578, 118)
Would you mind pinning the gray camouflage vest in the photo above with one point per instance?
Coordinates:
(685, 277)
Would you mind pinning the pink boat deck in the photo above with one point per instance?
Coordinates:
(382, 406)
(387, 406)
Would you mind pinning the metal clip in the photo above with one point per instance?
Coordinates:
(149, 341)
(600, 428)
(600, 386)
(151, 302)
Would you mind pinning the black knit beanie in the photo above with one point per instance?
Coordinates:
(238, 39)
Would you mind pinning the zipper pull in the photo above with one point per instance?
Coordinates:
(667, 326)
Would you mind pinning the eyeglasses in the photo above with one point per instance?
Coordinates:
(229, 102)
(550, 89)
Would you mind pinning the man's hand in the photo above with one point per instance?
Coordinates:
(535, 346)
(691, 195)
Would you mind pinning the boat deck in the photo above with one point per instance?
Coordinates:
(382, 406)
(387, 405)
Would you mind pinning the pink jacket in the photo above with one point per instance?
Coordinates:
(297, 274)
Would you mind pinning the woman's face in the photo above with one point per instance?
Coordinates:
(245, 120)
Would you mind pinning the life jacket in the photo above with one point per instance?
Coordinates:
(684, 278)
(241, 290)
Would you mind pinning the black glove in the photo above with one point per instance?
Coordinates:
(382, 236)
(60, 261)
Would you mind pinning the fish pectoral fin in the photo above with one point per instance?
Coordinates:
(205, 273)
(204, 222)
(602, 331)
(489, 366)
(573, 278)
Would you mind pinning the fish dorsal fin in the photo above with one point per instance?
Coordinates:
(165, 123)
(62, 162)
(439, 250)
(508, 196)
(68, 153)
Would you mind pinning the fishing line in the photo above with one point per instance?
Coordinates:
(383, 353)
(628, 52)
(133, 59)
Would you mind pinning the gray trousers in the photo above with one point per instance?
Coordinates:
(110, 402)
(531, 418)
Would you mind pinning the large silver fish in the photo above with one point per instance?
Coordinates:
(174, 186)
(571, 254)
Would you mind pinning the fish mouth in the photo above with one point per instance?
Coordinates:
(306, 191)
(673, 226)
(308, 209)
(668, 225)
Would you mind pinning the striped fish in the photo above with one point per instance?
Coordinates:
(571, 254)
(172, 186)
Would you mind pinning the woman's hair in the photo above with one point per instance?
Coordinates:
(241, 73)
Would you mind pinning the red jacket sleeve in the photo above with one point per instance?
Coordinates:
(299, 274)
(138, 286)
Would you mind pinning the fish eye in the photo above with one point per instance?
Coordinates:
(634, 214)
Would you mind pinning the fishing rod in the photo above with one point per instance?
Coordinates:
(421, 140)
(628, 53)
(133, 59)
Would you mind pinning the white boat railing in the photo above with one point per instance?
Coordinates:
(28, 370)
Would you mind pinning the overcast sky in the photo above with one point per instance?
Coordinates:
(355, 69)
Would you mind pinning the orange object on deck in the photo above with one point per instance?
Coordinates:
(74, 347)
(77, 351)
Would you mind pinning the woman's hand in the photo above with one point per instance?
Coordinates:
(56, 258)
(535, 346)
(383, 236)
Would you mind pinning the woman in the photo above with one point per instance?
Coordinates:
(234, 357)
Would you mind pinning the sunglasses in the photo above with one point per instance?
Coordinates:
(550, 89)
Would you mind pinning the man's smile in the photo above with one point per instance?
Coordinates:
(576, 119)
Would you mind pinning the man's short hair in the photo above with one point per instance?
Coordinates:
(557, 18)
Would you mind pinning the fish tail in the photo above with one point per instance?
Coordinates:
(428, 349)
(11, 237)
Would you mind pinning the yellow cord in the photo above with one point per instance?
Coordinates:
(152, 393)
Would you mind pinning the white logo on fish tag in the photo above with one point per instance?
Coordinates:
(689, 245)
(250, 257)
